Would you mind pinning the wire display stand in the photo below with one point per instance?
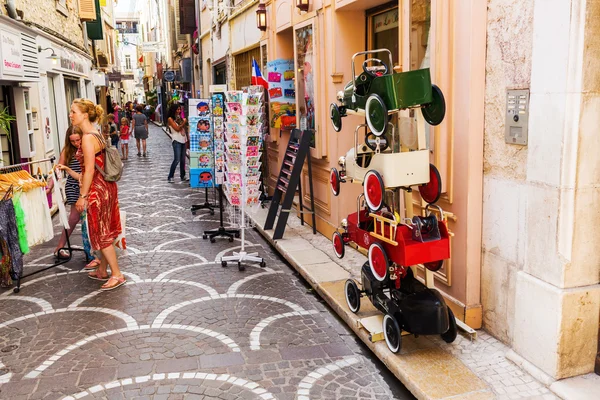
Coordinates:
(69, 249)
(221, 231)
(244, 139)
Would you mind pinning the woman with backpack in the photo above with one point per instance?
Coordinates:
(139, 126)
(97, 195)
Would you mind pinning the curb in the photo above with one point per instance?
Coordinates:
(427, 370)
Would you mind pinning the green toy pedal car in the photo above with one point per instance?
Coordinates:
(378, 92)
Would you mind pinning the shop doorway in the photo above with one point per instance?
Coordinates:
(220, 74)
(71, 92)
(9, 145)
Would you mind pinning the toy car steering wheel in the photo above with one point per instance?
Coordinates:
(372, 71)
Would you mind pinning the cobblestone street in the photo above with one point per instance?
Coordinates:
(183, 326)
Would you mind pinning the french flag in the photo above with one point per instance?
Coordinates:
(257, 78)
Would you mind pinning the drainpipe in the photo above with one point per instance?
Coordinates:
(12, 9)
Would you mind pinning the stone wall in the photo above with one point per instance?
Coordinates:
(508, 66)
(44, 13)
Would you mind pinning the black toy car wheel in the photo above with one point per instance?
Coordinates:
(336, 117)
(392, 333)
(334, 181)
(377, 114)
(352, 296)
(435, 111)
(452, 331)
(432, 190)
(434, 265)
(338, 244)
(378, 262)
(374, 190)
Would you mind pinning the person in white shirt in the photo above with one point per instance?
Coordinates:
(177, 127)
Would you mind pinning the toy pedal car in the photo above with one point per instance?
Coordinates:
(378, 92)
(394, 246)
(373, 162)
(413, 307)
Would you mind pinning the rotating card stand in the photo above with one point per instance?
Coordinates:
(242, 256)
(221, 231)
(206, 205)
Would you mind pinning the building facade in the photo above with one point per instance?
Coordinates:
(523, 266)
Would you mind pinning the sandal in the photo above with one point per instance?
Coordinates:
(92, 265)
(64, 254)
(94, 275)
(113, 283)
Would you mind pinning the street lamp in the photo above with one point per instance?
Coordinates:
(52, 56)
(261, 17)
(303, 5)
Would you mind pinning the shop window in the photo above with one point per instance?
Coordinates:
(305, 79)
(383, 30)
(128, 62)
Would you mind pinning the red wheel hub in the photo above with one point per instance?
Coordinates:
(333, 180)
(378, 262)
(338, 244)
(431, 191)
(374, 192)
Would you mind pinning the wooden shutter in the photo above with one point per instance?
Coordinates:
(87, 10)
(187, 16)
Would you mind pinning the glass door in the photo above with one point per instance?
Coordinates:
(52, 123)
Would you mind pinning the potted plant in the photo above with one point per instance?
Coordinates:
(5, 120)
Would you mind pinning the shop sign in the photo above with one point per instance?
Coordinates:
(114, 76)
(152, 47)
(385, 21)
(71, 65)
(169, 76)
(12, 59)
(128, 77)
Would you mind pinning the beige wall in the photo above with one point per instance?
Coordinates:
(44, 12)
(508, 66)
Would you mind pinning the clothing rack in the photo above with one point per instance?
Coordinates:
(17, 167)
(68, 249)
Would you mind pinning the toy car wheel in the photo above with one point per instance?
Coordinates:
(334, 181)
(352, 296)
(377, 114)
(338, 244)
(336, 117)
(435, 111)
(392, 333)
(378, 261)
(452, 331)
(434, 266)
(431, 191)
(374, 190)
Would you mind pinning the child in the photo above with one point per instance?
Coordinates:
(114, 134)
(106, 132)
(125, 138)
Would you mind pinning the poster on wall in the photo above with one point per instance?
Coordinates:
(282, 95)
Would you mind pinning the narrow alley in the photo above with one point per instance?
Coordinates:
(183, 327)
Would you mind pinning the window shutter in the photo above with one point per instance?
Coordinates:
(87, 10)
(187, 16)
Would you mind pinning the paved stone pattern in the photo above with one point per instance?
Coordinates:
(183, 326)
(484, 356)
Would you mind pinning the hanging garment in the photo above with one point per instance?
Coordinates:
(21, 229)
(60, 200)
(38, 221)
(87, 247)
(12, 257)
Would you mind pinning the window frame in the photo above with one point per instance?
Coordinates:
(61, 7)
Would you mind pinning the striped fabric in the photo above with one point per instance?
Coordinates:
(72, 186)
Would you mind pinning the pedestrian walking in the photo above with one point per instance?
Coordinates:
(69, 163)
(177, 127)
(140, 129)
(114, 132)
(125, 133)
(97, 196)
